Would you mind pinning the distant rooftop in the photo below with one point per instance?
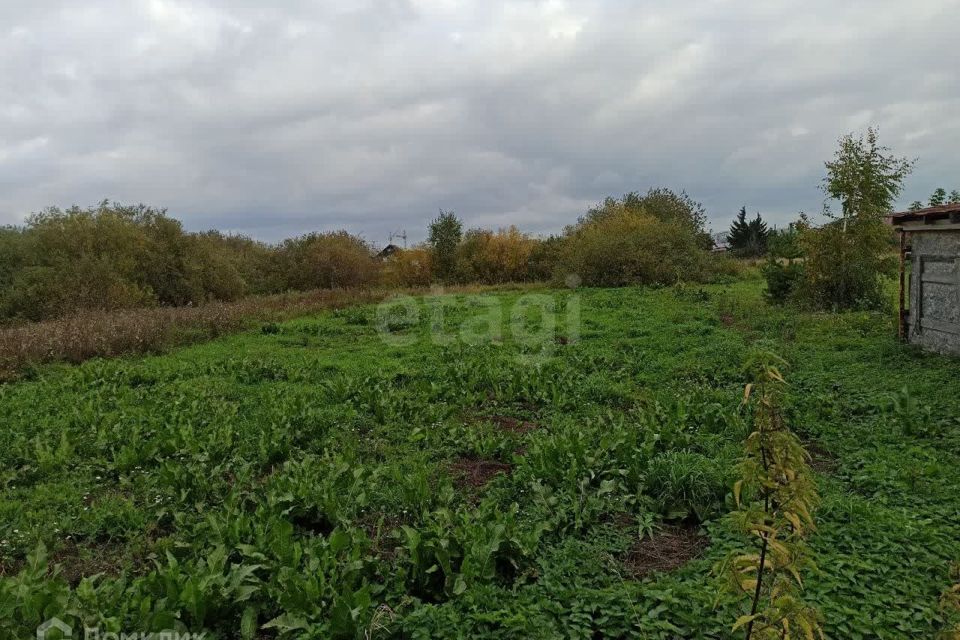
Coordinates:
(721, 241)
(929, 215)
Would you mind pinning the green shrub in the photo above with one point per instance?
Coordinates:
(545, 258)
(332, 260)
(626, 246)
(785, 243)
(664, 205)
(685, 484)
(844, 261)
(114, 256)
(408, 268)
(783, 279)
(445, 233)
(723, 267)
(494, 257)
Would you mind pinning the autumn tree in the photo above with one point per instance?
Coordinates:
(494, 257)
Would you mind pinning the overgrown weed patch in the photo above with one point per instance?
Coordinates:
(297, 488)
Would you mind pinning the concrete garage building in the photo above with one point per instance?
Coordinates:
(930, 296)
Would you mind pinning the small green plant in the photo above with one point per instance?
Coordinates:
(451, 552)
(782, 278)
(775, 497)
(685, 484)
(50, 458)
(271, 328)
(914, 418)
(647, 526)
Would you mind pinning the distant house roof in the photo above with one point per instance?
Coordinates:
(930, 215)
(388, 251)
(721, 241)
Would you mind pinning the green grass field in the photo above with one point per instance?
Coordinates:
(321, 479)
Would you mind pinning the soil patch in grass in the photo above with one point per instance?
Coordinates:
(381, 531)
(669, 548)
(77, 561)
(511, 424)
(474, 473)
(821, 459)
(313, 523)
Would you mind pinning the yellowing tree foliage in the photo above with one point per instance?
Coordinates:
(494, 257)
(628, 245)
(328, 261)
(408, 268)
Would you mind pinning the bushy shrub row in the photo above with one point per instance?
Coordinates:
(655, 238)
(116, 257)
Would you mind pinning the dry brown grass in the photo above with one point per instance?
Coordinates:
(106, 334)
(91, 334)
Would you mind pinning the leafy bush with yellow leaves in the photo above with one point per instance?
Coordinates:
(408, 268)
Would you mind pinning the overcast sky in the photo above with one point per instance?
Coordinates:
(273, 119)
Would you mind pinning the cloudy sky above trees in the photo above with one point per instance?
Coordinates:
(277, 118)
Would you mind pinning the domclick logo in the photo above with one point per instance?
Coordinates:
(54, 629)
(96, 634)
(57, 629)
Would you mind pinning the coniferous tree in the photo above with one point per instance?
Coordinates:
(739, 234)
(938, 197)
(758, 236)
(748, 238)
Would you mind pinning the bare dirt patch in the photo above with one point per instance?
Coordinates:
(473, 473)
(669, 548)
(77, 561)
(11, 566)
(511, 424)
(380, 530)
(821, 459)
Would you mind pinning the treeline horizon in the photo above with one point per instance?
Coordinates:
(118, 256)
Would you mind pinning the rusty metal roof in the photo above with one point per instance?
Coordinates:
(928, 214)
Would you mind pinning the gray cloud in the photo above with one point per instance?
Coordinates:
(369, 116)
